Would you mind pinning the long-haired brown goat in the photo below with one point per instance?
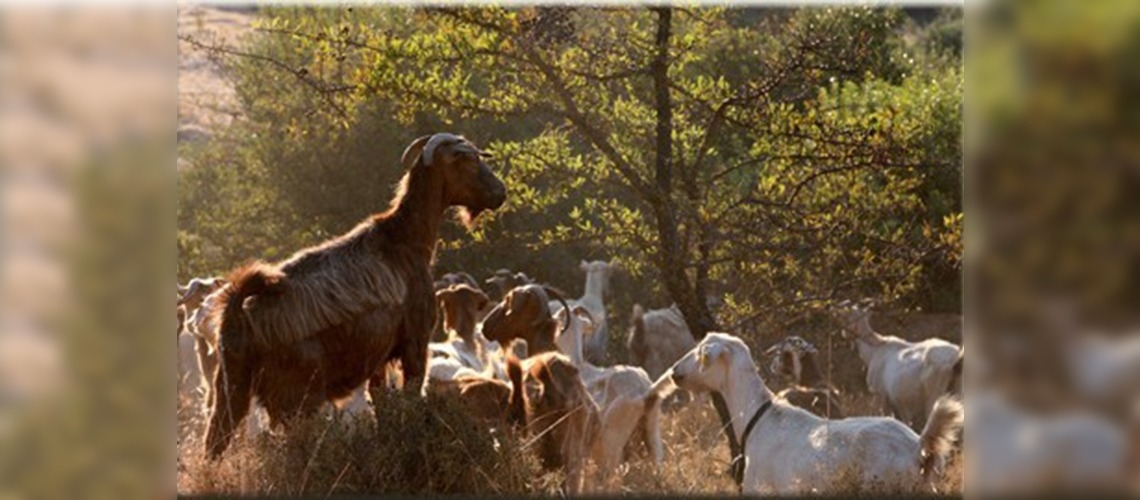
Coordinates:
(316, 326)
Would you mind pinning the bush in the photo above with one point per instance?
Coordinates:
(421, 445)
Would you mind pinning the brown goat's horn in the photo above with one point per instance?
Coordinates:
(413, 151)
(558, 296)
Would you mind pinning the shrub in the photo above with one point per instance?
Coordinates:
(420, 445)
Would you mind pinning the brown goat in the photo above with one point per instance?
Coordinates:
(525, 314)
(795, 360)
(463, 306)
(438, 332)
(316, 326)
(486, 399)
(551, 401)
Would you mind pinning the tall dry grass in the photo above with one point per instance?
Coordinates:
(432, 446)
(422, 445)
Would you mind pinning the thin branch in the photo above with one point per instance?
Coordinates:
(301, 74)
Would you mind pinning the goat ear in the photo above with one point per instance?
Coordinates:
(708, 353)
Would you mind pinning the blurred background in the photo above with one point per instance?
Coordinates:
(87, 116)
(1051, 178)
(122, 126)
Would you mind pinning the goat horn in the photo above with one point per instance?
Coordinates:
(413, 151)
(437, 140)
(561, 300)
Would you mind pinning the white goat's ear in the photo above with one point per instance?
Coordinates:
(707, 354)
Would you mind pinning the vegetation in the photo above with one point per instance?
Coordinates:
(769, 157)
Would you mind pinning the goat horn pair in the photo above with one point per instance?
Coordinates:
(427, 145)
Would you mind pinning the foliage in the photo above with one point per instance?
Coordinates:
(812, 153)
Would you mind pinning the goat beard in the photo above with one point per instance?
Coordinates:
(467, 217)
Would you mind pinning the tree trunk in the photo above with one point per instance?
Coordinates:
(672, 258)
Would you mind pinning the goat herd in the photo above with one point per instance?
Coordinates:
(354, 315)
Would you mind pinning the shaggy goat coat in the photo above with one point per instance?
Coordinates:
(315, 327)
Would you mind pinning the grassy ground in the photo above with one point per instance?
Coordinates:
(435, 448)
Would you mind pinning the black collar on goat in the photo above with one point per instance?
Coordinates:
(737, 463)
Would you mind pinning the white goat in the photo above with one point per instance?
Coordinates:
(1013, 451)
(627, 399)
(453, 359)
(788, 450)
(201, 325)
(658, 338)
(909, 376)
(192, 384)
(195, 301)
(598, 275)
(190, 295)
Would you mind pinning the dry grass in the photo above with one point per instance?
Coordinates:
(432, 446)
(423, 445)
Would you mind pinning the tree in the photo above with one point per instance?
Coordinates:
(770, 159)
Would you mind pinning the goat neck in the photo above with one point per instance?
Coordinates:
(570, 341)
(867, 340)
(744, 393)
(417, 210)
(596, 284)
